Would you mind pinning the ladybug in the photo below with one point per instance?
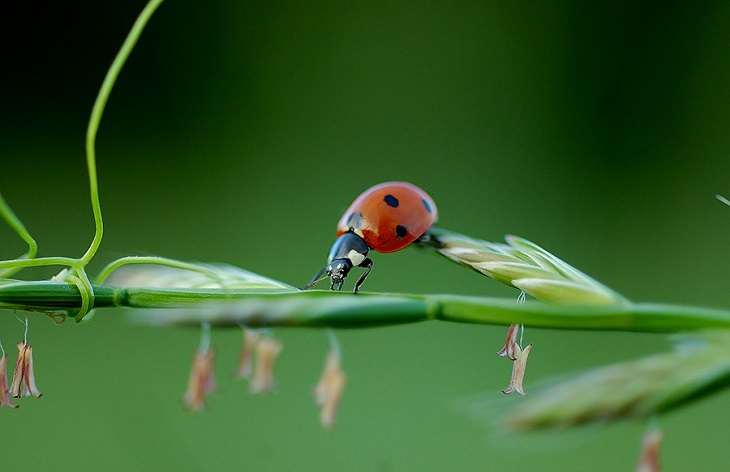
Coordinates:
(386, 218)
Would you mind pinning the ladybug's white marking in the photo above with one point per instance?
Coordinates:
(355, 257)
(358, 232)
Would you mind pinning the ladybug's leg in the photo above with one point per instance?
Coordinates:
(316, 279)
(368, 264)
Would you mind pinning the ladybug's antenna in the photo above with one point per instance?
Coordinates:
(318, 277)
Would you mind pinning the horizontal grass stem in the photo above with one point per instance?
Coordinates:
(343, 310)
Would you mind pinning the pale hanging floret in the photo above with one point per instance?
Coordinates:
(267, 351)
(251, 339)
(650, 444)
(329, 390)
(518, 370)
(201, 381)
(5, 398)
(510, 343)
(24, 384)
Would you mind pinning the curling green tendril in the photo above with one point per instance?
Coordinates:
(77, 266)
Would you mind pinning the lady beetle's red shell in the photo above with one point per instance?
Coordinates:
(389, 216)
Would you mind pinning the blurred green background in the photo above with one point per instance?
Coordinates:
(239, 131)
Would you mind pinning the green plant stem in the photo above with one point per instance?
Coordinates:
(282, 307)
(96, 114)
(40, 262)
(9, 216)
(160, 261)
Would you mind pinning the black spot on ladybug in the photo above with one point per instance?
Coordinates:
(427, 206)
(391, 201)
(354, 220)
(401, 231)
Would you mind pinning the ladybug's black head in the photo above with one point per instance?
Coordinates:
(337, 270)
(347, 252)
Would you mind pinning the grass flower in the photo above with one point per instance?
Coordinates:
(525, 266)
(251, 339)
(329, 390)
(201, 381)
(24, 383)
(650, 446)
(510, 343)
(267, 351)
(519, 364)
(5, 398)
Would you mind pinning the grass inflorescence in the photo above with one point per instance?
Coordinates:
(525, 266)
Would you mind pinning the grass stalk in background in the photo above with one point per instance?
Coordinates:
(698, 366)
